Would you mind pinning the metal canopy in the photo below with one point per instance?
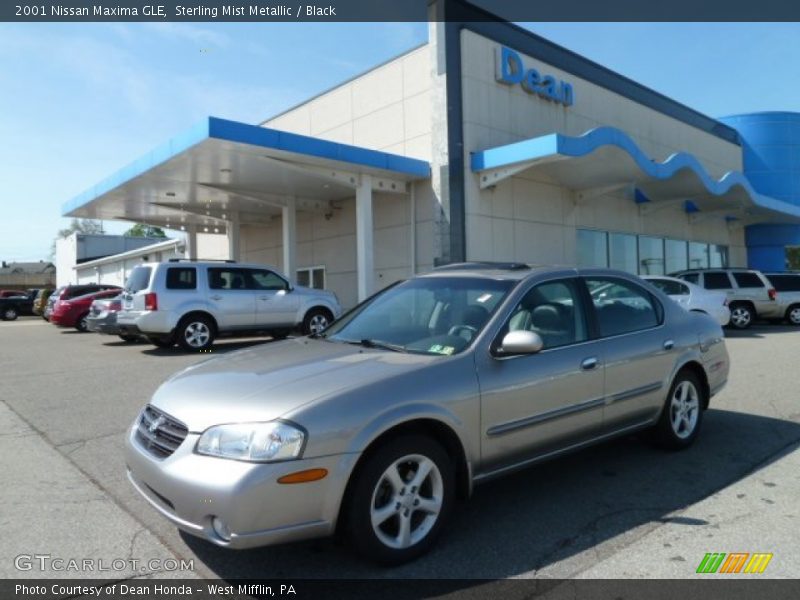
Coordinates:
(220, 171)
(606, 160)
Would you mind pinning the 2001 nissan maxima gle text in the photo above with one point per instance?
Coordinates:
(434, 384)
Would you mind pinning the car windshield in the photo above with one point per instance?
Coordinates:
(427, 315)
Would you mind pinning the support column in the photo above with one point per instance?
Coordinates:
(191, 241)
(233, 236)
(364, 229)
(289, 223)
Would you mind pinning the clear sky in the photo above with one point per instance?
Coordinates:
(79, 101)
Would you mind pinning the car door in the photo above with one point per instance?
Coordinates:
(276, 305)
(638, 349)
(233, 303)
(533, 404)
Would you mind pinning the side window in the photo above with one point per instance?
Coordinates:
(181, 278)
(748, 280)
(622, 306)
(785, 283)
(669, 287)
(221, 278)
(684, 290)
(554, 311)
(262, 279)
(691, 277)
(716, 280)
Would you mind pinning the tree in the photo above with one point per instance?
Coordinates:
(143, 230)
(79, 225)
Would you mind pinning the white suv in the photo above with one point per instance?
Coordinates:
(192, 302)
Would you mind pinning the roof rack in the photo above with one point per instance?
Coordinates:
(476, 265)
(219, 260)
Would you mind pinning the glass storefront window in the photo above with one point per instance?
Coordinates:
(592, 248)
(675, 256)
(698, 255)
(717, 256)
(651, 255)
(622, 252)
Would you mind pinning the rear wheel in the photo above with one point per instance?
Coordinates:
(400, 500)
(81, 324)
(316, 320)
(10, 314)
(682, 415)
(195, 333)
(793, 315)
(742, 316)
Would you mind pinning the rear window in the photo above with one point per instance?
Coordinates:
(716, 281)
(139, 279)
(690, 277)
(748, 280)
(785, 283)
(181, 278)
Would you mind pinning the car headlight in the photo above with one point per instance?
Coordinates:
(258, 442)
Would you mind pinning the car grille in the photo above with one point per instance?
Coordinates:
(159, 433)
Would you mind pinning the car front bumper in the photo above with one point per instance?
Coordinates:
(190, 490)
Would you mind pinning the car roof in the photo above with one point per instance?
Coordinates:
(513, 271)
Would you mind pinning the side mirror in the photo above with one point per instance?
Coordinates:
(521, 342)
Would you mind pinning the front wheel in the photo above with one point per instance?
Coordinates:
(742, 316)
(195, 334)
(10, 314)
(401, 500)
(316, 321)
(682, 415)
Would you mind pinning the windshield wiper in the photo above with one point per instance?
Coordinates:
(369, 343)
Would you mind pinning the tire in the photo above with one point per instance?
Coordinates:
(128, 338)
(742, 316)
(161, 342)
(195, 333)
(316, 320)
(10, 314)
(793, 315)
(682, 415)
(80, 324)
(388, 542)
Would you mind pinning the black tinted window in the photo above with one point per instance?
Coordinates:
(181, 278)
(554, 311)
(716, 280)
(748, 280)
(622, 306)
(690, 277)
(265, 280)
(139, 279)
(785, 283)
(669, 287)
(225, 278)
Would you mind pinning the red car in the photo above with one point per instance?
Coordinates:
(73, 312)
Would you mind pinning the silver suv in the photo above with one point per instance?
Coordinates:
(788, 287)
(750, 295)
(192, 302)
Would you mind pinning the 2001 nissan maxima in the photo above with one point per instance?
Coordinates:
(437, 383)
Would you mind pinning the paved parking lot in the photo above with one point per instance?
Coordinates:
(622, 509)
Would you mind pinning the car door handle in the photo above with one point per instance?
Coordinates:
(216, 297)
(589, 363)
(669, 344)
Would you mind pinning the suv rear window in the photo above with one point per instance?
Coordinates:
(181, 278)
(748, 280)
(690, 277)
(139, 279)
(716, 281)
(785, 283)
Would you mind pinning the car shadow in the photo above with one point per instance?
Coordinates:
(549, 513)
(221, 346)
(760, 330)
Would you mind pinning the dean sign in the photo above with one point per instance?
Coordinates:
(510, 70)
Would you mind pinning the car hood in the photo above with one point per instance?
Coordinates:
(270, 380)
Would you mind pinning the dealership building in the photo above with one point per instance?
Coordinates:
(488, 143)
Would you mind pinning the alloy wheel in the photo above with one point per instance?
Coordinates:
(197, 334)
(740, 316)
(318, 323)
(794, 315)
(407, 501)
(684, 409)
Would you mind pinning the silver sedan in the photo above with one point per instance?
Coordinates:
(380, 423)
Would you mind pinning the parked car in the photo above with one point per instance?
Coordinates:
(75, 311)
(787, 285)
(40, 300)
(12, 293)
(102, 317)
(693, 297)
(192, 302)
(377, 424)
(14, 305)
(750, 294)
(68, 292)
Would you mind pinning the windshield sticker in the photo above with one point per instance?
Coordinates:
(484, 298)
(439, 349)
